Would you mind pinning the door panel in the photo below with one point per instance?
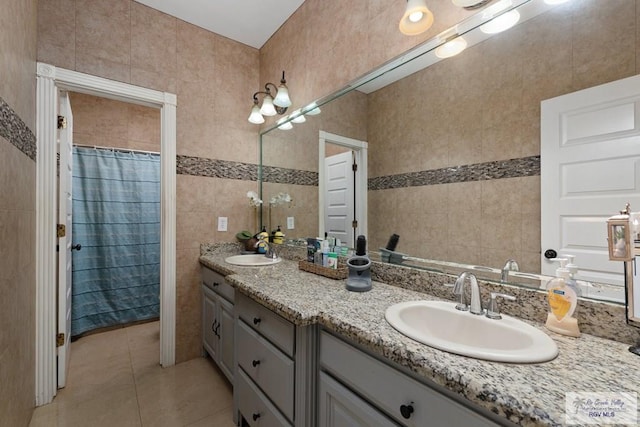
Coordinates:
(65, 138)
(339, 197)
(590, 164)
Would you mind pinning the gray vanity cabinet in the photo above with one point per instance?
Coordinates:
(274, 367)
(218, 320)
(357, 389)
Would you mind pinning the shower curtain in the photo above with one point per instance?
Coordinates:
(116, 219)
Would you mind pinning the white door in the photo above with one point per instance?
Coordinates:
(339, 197)
(65, 138)
(590, 168)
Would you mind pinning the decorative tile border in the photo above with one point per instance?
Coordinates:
(200, 166)
(526, 166)
(14, 130)
(289, 176)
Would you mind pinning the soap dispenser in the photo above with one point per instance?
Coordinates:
(359, 279)
(573, 270)
(562, 303)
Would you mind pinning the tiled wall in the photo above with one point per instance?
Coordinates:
(108, 123)
(473, 114)
(17, 211)
(126, 41)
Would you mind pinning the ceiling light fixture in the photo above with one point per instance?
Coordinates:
(501, 23)
(270, 105)
(451, 48)
(417, 18)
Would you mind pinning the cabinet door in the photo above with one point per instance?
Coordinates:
(339, 407)
(225, 316)
(209, 322)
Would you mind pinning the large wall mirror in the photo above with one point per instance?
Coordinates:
(454, 144)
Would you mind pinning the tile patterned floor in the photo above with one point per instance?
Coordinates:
(115, 380)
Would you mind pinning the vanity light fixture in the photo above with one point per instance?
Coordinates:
(501, 23)
(283, 124)
(297, 117)
(451, 48)
(312, 109)
(270, 105)
(417, 18)
(470, 4)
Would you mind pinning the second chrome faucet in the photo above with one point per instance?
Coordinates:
(475, 305)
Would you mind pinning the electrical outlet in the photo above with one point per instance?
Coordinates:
(290, 223)
(222, 223)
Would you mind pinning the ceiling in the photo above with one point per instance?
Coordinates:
(251, 22)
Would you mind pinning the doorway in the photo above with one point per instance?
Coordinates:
(50, 80)
(348, 210)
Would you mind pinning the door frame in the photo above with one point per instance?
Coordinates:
(50, 79)
(360, 150)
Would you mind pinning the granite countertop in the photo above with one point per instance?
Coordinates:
(526, 394)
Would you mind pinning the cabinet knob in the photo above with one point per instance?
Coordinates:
(406, 410)
(213, 326)
(256, 320)
(216, 284)
(255, 363)
(255, 417)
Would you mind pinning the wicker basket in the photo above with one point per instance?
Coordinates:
(332, 273)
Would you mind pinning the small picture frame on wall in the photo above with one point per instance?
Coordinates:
(619, 236)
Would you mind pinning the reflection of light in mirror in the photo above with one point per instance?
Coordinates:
(282, 125)
(313, 109)
(501, 23)
(555, 1)
(451, 48)
(297, 117)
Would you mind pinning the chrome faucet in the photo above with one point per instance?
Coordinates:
(458, 289)
(270, 248)
(510, 265)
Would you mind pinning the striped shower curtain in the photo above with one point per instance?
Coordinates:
(116, 219)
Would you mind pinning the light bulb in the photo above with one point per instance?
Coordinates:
(282, 125)
(267, 108)
(416, 16)
(451, 48)
(297, 117)
(255, 117)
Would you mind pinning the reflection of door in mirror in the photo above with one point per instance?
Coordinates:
(590, 150)
(632, 282)
(343, 187)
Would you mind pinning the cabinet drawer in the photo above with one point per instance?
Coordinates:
(273, 327)
(389, 389)
(255, 407)
(338, 406)
(215, 281)
(271, 369)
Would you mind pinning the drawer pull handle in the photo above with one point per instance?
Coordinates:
(213, 326)
(255, 363)
(255, 417)
(256, 320)
(406, 410)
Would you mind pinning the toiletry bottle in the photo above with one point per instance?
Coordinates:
(325, 253)
(311, 249)
(573, 270)
(278, 237)
(562, 304)
(332, 260)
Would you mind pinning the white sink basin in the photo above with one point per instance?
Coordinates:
(252, 260)
(438, 324)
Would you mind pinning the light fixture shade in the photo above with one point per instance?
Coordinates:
(282, 97)
(312, 109)
(297, 117)
(267, 108)
(451, 48)
(255, 117)
(284, 126)
(417, 18)
(501, 23)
